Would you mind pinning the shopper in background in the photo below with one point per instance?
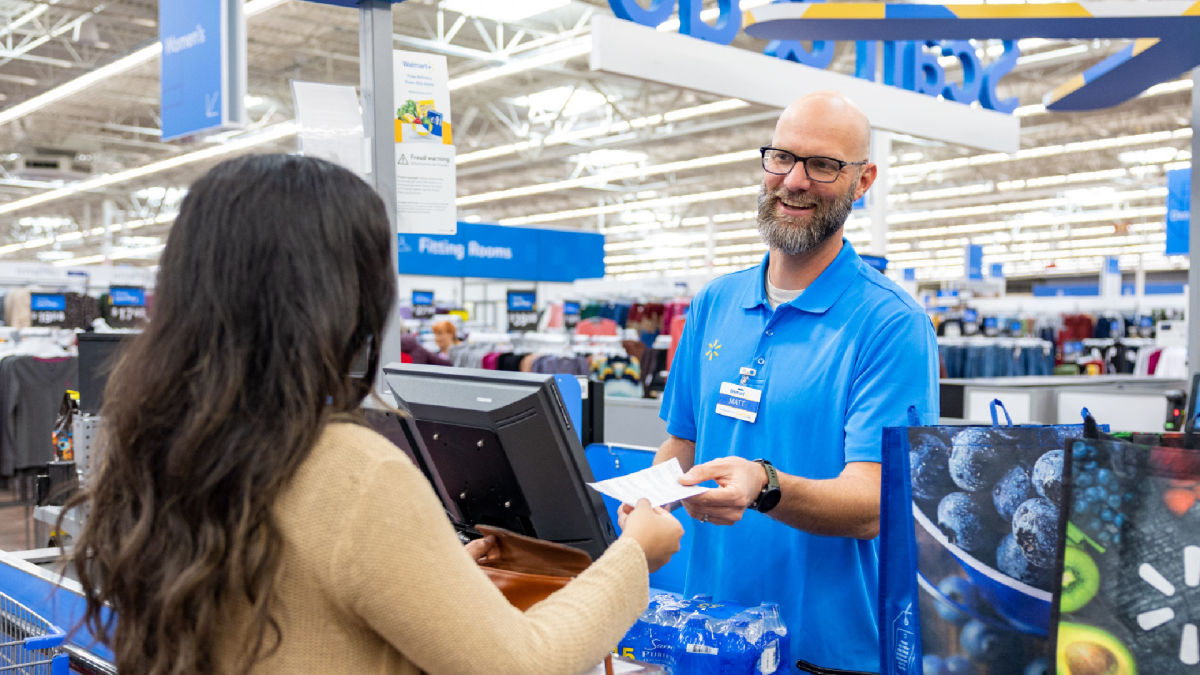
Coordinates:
(244, 519)
(445, 335)
(414, 352)
(800, 361)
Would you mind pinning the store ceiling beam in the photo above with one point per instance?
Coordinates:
(625, 48)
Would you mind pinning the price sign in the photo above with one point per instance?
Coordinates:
(422, 304)
(126, 307)
(522, 311)
(49, 309)
(570, 314)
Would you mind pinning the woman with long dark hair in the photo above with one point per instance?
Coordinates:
(244, 520)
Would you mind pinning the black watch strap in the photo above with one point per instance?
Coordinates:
(768, 497)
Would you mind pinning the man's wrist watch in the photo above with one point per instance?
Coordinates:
(768, 498)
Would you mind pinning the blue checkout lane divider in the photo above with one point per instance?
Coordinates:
(610, 461)
(29, 585)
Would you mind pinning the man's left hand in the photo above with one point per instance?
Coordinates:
(739, 480)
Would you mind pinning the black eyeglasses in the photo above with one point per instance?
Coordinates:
(819, 169)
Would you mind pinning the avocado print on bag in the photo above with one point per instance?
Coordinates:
(1130, 600)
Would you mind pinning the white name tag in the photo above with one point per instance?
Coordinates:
(739, 402)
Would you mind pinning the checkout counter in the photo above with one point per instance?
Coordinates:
(1124, 402)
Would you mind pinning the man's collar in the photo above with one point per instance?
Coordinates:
(820, 294)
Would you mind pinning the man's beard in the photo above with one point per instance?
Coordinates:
(788, 236)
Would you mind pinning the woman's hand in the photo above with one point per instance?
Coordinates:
(482, 549)
(654, 529)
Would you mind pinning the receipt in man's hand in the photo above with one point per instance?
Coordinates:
(659, 484)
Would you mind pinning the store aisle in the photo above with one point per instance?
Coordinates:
(12, 522)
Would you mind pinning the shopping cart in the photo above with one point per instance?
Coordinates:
(29, 645)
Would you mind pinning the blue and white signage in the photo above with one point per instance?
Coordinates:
(422, 304)
(499, 252)
(570, 314)
(49, 309)
(997, 270)
(203, 66)
(907, 64)
(48, 302)
(1179, 216)
(522, 310)
(522, 301)
(127, 296)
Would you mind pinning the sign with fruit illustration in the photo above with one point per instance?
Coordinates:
(1130, 598)
(425, 153)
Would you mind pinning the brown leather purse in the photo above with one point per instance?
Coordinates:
(526, 570)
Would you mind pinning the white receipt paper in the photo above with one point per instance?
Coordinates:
(659, 484)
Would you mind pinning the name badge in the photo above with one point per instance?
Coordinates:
(739, 402)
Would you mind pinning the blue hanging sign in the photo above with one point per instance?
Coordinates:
(997, 270)
(499, 252)
(907, 64)
(203, 66)
(127, 296)
(974, 261)
(1179, 215)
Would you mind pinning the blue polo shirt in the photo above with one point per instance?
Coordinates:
(836, 365)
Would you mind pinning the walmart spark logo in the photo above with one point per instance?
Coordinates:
(713, 349)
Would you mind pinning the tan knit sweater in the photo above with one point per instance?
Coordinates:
(374, 580)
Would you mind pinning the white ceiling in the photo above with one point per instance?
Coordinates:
(1084, 185)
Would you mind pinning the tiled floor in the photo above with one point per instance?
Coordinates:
(13, 520)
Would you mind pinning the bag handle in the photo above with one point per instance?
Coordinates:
(914, 419)
(996, 418)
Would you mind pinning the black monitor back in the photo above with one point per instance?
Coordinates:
(502, 451)
(98, 353)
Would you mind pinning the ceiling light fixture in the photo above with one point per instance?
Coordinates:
(265, 135)
(504, 12)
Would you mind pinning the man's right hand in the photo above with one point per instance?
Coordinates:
(739, 481)
(655, 530)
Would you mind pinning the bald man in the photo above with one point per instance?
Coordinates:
(784, 378)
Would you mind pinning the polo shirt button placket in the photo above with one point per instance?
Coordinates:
(770, 332)
(761, 360)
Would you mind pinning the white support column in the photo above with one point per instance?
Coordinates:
(881, 155)
(710, 243)
(108, 213)
(375, 81)
(1193, 310)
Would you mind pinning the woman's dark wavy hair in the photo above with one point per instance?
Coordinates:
(275, 279)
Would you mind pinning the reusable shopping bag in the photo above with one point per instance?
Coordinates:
(969, 538)
(1130, 599)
